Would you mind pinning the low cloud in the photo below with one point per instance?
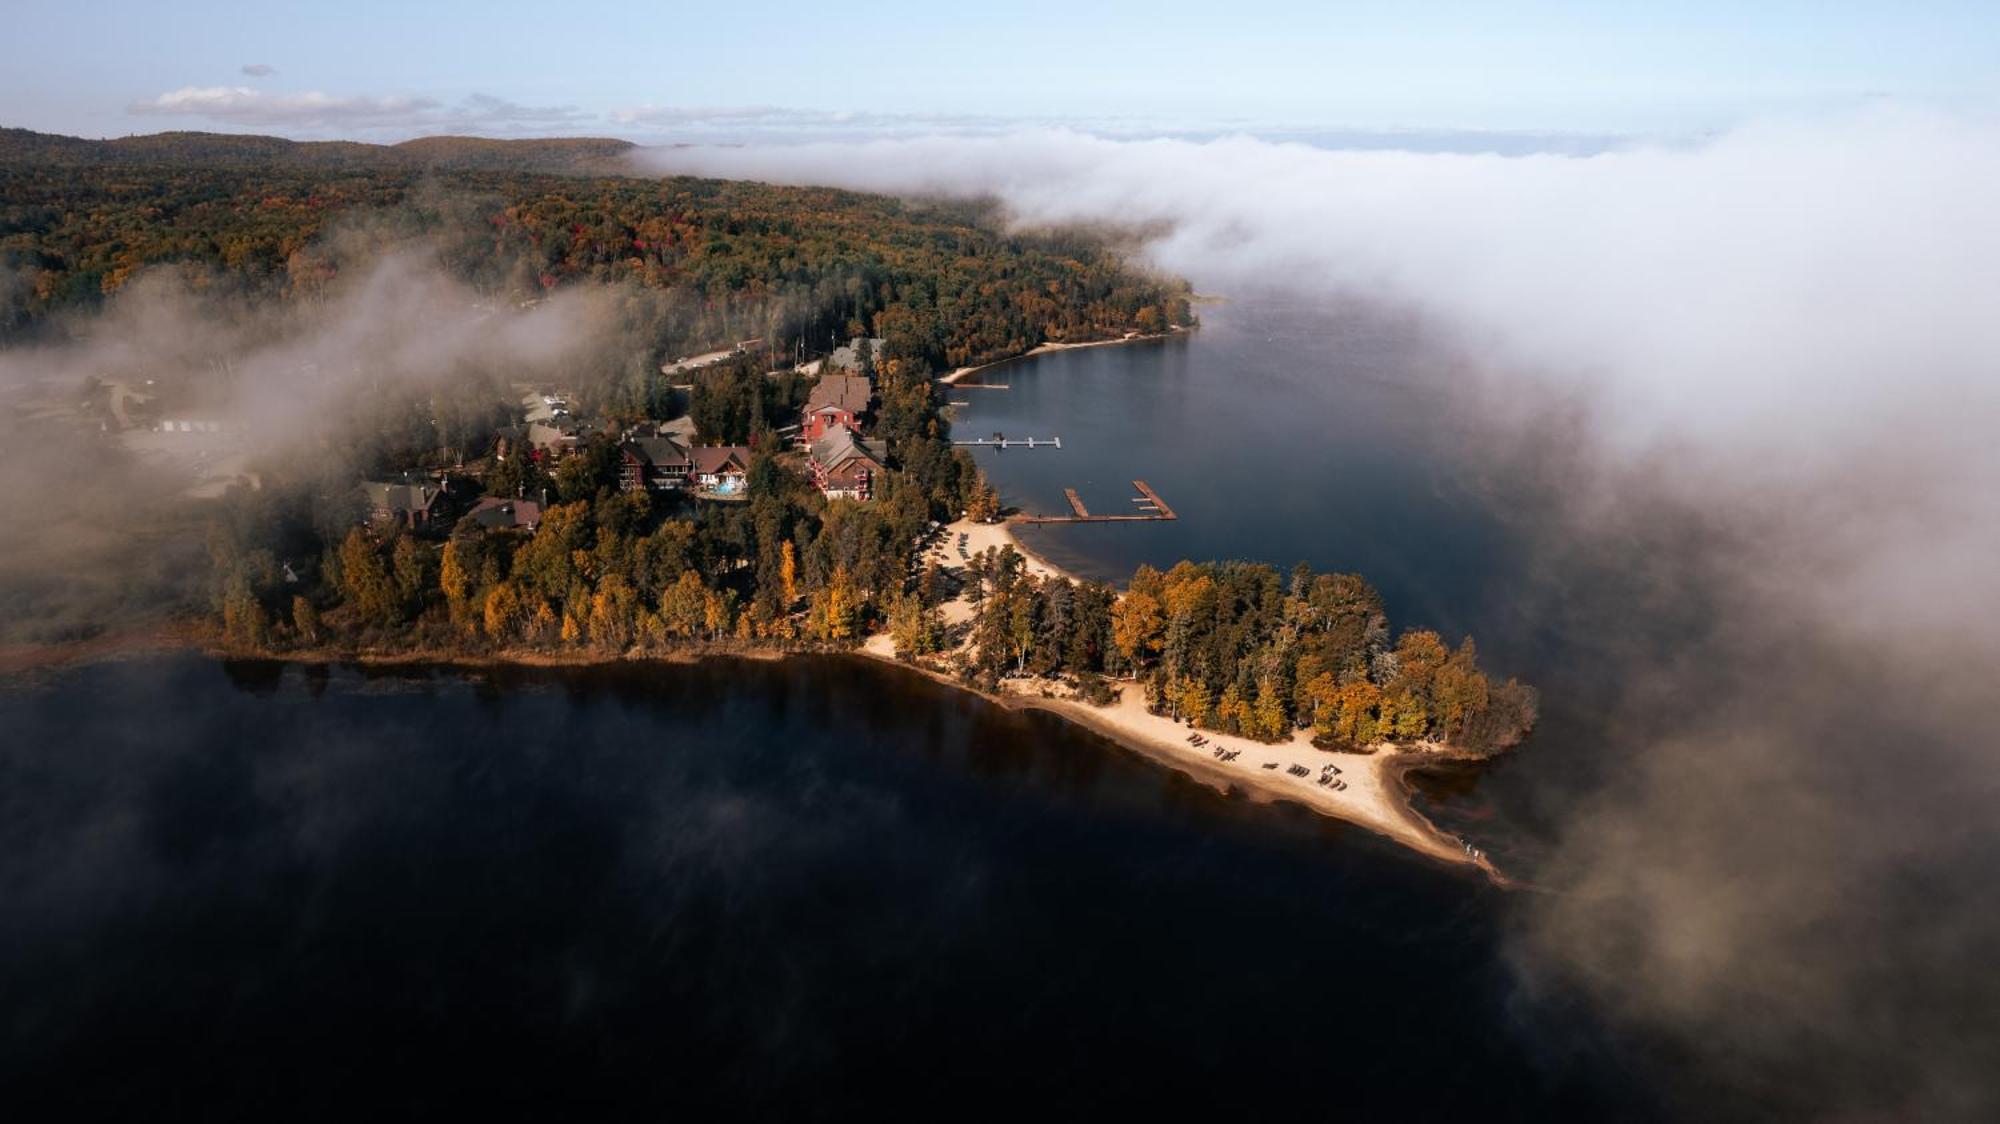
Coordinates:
(357, 114)
(770, 122)
(788, 125)
(1753, 378)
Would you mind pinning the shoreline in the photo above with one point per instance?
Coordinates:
(960, 375)
(1377, 797)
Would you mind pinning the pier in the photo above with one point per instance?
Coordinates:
(1151, 509)
(998, 441)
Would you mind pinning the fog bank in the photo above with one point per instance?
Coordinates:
(1783, 339)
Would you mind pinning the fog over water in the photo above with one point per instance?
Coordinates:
(1739, 400)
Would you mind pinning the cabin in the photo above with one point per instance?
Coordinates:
(415, 504)
(657, 463)
(837, 401)
(844, 465)
(495, 513)
(720, 470)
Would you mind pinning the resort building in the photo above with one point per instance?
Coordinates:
(720, 471)
(653, 462)
(836, 401)
(844, 465)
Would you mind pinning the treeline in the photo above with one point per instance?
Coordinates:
(1234, 647)
(703, 263)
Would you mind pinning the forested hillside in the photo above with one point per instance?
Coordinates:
(710, 262)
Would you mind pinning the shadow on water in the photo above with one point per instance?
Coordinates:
(793, 889)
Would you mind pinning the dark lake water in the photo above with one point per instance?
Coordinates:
(808, 889)
(823, 888)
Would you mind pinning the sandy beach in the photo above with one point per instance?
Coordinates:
(962, 373)
(1375, 797)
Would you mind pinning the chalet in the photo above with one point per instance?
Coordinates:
(720, 470)
(836, 401)
(411, 503)
(497, 514)
(652, 462)
(844, 465)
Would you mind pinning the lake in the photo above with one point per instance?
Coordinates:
(796, 889)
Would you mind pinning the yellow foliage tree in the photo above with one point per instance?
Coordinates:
(1271, 720)
(502, 612)
(684, 606)
(1136, 625)
(835, 607)
(788, 573)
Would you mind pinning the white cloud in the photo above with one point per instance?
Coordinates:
(357, 114)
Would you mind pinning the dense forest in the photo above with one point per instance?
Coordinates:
(1230, 646)
(705, 263)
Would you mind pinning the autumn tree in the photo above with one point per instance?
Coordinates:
(1136, 626)
(364, 581)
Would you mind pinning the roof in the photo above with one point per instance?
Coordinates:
(544, 434)
(707, 459)
(656, 451)
(840, 445)
(397, 498)
(495, 513)
(841, 392)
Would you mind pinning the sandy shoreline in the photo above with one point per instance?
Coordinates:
(962, 373)
(1375, 798)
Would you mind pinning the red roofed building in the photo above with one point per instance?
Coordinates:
(836, 400)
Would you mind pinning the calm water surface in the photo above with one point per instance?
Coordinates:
(792, 890)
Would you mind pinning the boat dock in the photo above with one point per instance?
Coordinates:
(999, 442)
(1151, 508)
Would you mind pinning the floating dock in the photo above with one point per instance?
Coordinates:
(1151, 509)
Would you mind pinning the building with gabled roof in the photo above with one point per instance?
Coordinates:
(652, 462)
(720, 470)
(412, 503)
(844, 464)
(836, 400)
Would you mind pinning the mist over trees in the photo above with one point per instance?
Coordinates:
(693, 263)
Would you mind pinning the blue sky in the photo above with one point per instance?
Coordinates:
(709, 70)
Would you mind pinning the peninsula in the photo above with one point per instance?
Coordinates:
(712, 422)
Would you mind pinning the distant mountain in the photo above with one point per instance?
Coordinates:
(579, 155)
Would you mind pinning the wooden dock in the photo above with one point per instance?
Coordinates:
(1151, 509)
(1012, 443)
